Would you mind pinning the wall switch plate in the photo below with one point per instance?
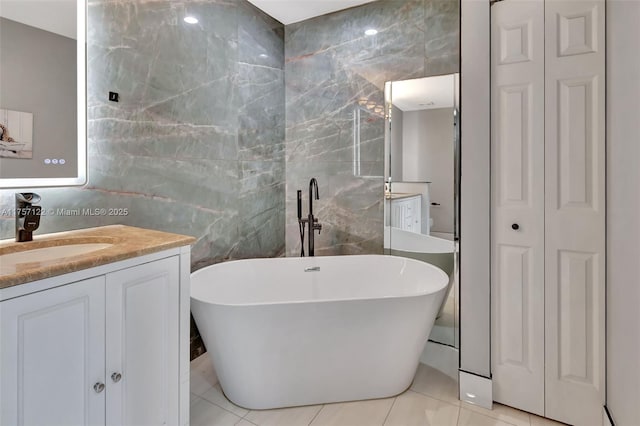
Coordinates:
(114, 96)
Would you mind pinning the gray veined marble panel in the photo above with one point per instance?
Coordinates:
(447, 64)
(350, 208)
(191, 107)
(442, 37)
(260, 38)
(330, 65)
(261, 112)
(261, 208)
(381, 69)
(321, 99)
(193, 182)
(395, 52)
(143, 135)
(341, 28)
(371, 131)
(315, 85)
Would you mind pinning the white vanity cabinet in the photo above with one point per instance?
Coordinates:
(406, 213)
(105, 349)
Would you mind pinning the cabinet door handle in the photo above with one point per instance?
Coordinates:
(116, 377)
(515, 226)
(98, 387)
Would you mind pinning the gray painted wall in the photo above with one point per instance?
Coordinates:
(330, 65)
(38, 75)
(623, 211)
(428, 157)
(196, 144)
(475, 195)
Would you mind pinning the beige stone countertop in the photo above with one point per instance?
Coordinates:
(125, 242)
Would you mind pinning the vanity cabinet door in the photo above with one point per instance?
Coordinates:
(142, 344)
(52, 356)
(406, 214)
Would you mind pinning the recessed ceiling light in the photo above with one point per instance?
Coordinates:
(190, 19)
(371, 32)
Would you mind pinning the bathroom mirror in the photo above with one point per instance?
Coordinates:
(421, 177)
(42, 93)
(368, 145)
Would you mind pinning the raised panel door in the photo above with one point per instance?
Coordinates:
(575, 211)
(517, 201)
(142, 343)
(52, 355)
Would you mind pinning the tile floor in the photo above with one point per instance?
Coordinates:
(432, 400)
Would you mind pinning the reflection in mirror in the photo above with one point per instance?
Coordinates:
(42, 96)
(368, 117)
(420, 194)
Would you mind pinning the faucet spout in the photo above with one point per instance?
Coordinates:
(312, 221)
(27, 215)
(313, 183)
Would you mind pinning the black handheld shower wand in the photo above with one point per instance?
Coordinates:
(301, 223)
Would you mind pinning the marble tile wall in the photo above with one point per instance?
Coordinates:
(331, 65)
(196, 144)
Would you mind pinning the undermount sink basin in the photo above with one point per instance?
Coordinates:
(48, 254)
(49, 251)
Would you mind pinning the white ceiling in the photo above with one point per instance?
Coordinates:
(59, 16)
(56, 16)
(290, 11)
(423, 93)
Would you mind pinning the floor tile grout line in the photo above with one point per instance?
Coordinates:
(439, 399)
(488, 417)
(390, 408)
(248, 421)
(314, 417)
(228, 411)
(468, 407)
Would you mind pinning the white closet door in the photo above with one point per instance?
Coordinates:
(575, 211)
(517, 181)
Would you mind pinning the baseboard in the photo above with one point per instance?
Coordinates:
(441, 357)
(476, 390)
(607, 420)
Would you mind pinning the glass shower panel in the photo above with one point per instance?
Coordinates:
(421, 181)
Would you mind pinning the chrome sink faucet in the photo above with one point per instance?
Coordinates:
(310, 219)
(27, 215)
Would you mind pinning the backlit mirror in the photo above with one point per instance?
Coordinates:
(42, 93)
(368, 145)
(421, 174)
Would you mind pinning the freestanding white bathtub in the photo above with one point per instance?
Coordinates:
(298, 331)
(426, 248)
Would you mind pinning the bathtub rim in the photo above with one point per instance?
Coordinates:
(388, 242)
(444, 276)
